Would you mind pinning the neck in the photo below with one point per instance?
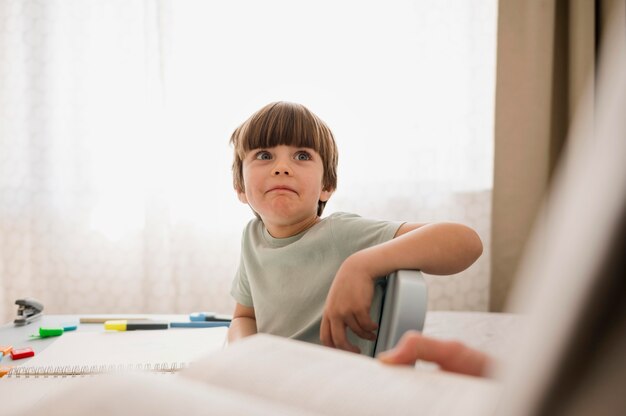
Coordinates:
(284, 231)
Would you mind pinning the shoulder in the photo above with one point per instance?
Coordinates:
(252, 232)
(353, 219)
(341, 220)
(254, 225)
(343, 216)
(348, 226)
(346, 221)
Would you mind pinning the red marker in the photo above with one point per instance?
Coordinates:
(17, 354)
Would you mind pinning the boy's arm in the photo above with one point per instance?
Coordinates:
(439, 249)
(243, 323)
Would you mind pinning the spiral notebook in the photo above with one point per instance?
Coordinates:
(88, 353)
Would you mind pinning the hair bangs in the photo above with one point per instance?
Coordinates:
(282, 123)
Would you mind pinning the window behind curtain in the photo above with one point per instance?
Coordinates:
(115, 181)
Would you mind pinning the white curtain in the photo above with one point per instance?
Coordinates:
(115, 184)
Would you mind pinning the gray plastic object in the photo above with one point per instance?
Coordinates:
(404, 308)
(28, 310)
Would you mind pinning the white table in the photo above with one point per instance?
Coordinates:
(494, 333)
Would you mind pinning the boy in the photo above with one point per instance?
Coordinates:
(309, 278)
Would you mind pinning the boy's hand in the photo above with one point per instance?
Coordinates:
(348, 305)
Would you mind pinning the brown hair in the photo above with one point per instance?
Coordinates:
(284, 123)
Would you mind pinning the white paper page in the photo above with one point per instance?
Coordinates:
(131, 394)
(125, 348)
(25, 394)
(329, 381)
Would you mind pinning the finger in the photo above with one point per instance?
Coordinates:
(405, 352)
(414, 346)
(357, 329)
(325, 335)
(449, 355)
(465, 360)
(365, 320)
(338, 333)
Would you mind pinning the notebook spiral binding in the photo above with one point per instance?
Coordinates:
(88, 370)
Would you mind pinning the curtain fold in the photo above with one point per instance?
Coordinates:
(545, 64)
(84, 224)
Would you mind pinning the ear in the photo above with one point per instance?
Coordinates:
(242, 197)
(325, 195)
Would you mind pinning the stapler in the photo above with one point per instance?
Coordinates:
(28, 310)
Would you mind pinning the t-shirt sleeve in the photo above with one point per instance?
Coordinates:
(353, 233)
(240, 288)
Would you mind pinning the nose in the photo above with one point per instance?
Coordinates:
(282, 168)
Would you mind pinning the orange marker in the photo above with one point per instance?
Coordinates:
(4, 369)
(5, 349)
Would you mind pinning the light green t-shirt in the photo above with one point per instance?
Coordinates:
(287, 280)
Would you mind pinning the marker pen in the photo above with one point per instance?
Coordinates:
(124, 325)
(209, 317)
(219, 318)
(22, 353)
(198, 324)
(50, 332)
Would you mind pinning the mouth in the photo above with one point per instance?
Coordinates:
(281, 189)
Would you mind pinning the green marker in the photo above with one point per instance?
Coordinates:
(49, 332)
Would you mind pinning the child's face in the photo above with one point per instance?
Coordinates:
(283, 184)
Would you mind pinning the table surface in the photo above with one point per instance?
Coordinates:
(20, 336)
(494, 333)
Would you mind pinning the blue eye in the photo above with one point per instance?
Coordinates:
(263, 155)
(302, 155)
